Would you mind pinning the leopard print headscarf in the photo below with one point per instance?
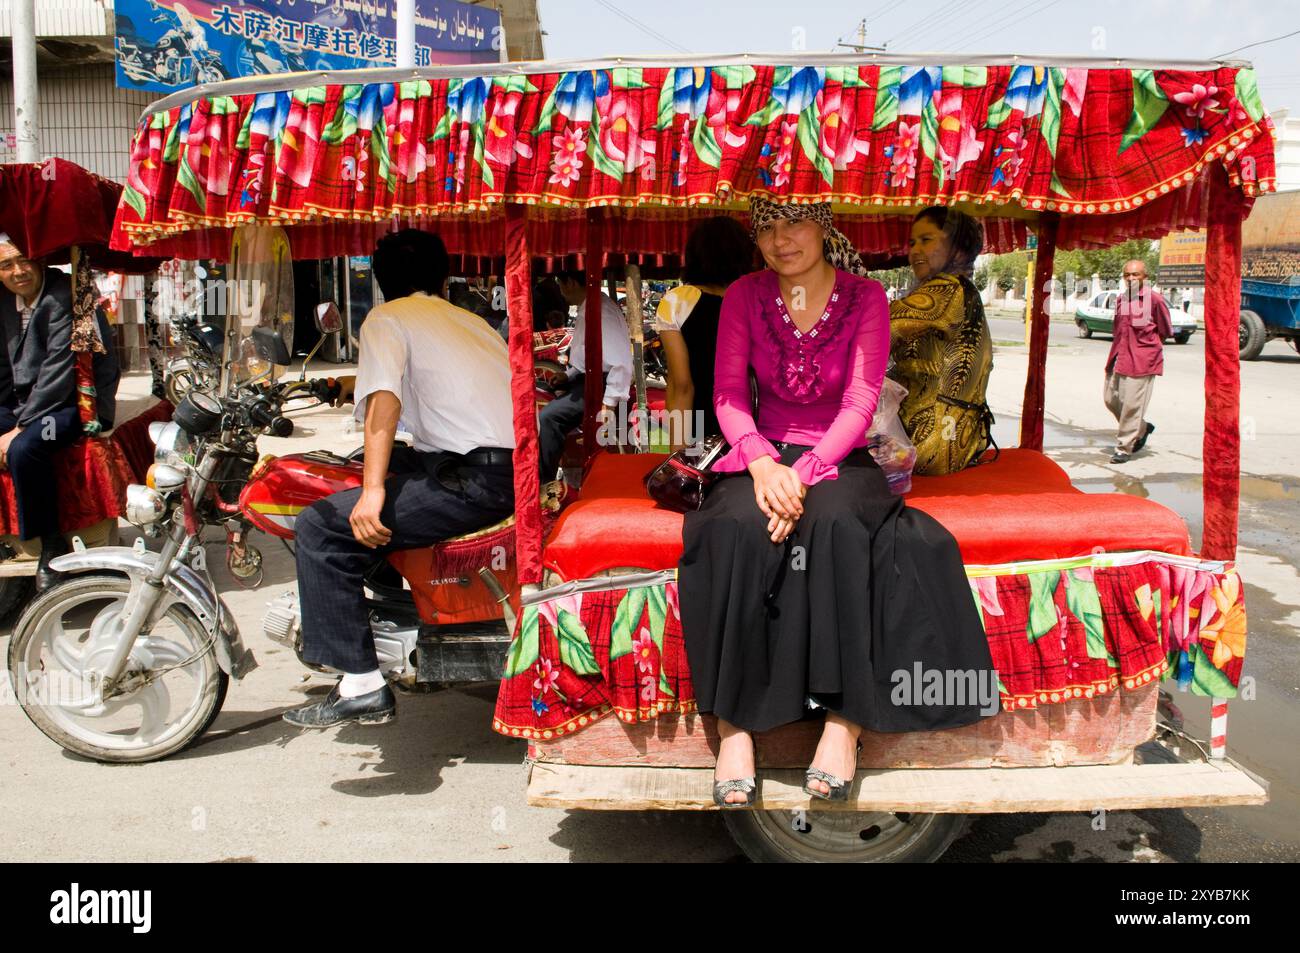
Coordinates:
(838, 250)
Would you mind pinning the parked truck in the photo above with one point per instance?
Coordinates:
(1270, 273)
(1270, 270)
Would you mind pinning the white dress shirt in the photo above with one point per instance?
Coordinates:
(615, 346)
(26, 307)
(448, 367)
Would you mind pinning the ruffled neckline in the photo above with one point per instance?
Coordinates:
(797, 370)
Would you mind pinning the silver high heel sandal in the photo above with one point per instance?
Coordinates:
(746, 786)
(839, 787)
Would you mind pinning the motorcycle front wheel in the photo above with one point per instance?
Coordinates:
(180, 381)
(174, 686)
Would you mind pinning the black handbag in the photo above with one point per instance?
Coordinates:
(681, 482)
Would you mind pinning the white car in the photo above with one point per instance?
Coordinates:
(1098, 317)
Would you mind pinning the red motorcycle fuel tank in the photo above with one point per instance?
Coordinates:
(282, 487)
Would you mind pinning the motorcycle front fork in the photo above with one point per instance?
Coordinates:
(137, 615)
(146, 594)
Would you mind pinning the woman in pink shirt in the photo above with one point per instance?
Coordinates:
(804, 583)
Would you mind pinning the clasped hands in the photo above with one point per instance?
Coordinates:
(779, 493)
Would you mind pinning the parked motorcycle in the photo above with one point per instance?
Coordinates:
(129, 659)
(200, 364)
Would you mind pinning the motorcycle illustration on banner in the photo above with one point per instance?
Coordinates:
(165, 45)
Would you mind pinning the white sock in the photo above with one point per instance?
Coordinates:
(350, 686)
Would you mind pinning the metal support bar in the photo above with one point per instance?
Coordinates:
(640, 435)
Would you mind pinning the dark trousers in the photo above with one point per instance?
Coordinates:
(554, 423)
(30, 462)
(428, 497)
(559, 417)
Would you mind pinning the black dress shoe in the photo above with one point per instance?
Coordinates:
(374, 708)
(1142, 440)
(1120, 457)
(51, 548)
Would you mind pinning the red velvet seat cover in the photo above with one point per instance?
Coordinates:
(1022, 507)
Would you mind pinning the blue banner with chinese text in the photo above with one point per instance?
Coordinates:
(172, 44)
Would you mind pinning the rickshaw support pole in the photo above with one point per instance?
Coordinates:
(1031, 413)
(1221, 451)
(635, 325)
(594, 388)
(519, 298)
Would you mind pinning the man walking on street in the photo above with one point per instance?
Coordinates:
(1136, 358)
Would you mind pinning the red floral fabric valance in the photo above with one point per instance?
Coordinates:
(1117, 144)
(1057, 631)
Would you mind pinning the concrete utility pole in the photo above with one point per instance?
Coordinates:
(405, 32)
(26, 131)
(861, 45)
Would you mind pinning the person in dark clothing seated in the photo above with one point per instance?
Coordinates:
(718, 252)
(38, 394)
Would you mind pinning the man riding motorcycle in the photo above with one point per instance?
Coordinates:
(445, 374)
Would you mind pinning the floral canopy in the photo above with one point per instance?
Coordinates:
(1117, 149)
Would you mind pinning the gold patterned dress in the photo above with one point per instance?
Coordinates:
(943, 354)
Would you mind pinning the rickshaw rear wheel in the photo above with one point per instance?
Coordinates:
(861, 837)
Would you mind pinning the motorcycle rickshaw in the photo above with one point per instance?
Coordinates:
(59, 213)
(615, 157)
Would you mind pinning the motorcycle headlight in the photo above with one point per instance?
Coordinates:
(143, 505)
(172, 445)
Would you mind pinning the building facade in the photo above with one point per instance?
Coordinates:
(86, 118)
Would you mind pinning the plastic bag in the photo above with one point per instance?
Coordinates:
(888, 442)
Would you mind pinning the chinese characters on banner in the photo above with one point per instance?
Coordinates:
(172, 44)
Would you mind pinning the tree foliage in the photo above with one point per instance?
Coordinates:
(1009, 269)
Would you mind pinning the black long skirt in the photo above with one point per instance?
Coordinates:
(859, 612)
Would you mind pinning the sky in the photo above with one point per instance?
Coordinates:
(1132, 29)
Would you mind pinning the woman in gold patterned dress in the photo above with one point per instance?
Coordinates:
(941, 345)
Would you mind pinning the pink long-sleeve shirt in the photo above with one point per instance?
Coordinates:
(817, 389)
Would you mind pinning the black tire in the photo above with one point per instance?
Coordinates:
(1084, 330)
(776, 837)
(1183, 338)
(214, 692)
(1251, 335)
(15, 593)
(180, 380)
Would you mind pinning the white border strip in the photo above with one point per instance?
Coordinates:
(390, 74)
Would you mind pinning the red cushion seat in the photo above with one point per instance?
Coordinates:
(1022, 507)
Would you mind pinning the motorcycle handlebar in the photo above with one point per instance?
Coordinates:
(263, 409)
(275, 424)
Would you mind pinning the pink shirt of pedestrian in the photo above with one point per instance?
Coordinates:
(818, 388)
(1137, 347)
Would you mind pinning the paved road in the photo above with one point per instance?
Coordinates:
(439, 785)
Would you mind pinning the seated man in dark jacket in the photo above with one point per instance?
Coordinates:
(38, 393)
